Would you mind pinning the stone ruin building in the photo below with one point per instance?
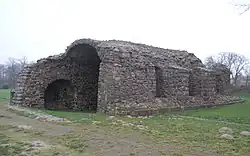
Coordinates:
(119, 77)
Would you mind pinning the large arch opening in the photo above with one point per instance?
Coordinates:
(85, 75)
(59, 95)
(76, 85)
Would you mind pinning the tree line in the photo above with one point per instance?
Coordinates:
(9, 71)
(237, 64)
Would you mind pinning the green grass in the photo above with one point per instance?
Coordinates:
(4, 94)
(75, 142)
(198, 133)
(10, 147)
(7, 149)
(174, 129)
(83, 117)
(187, 132)
(239, 113)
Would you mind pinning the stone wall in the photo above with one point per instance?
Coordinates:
(124, 79)
(222, 81)
(16, 97)
(79, 75)
(129, 85)
(119, 77)
(172, 80)
(202, 82)
(170, 104)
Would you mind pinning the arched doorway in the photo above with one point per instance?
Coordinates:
(86, 75)
(81, 66)
(59, 95)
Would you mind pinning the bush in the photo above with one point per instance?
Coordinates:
(5, 86)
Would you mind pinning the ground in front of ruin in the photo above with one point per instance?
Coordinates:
(190, 133)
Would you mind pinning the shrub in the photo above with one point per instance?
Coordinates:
(5, 86)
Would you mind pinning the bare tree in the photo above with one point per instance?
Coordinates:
(13, 68)
(22, 62)
(11, 71)
(239, 64)
(210, 62)
(233, 61)
(225, 58)
(244, 6)
(247, 75)
(2, 74)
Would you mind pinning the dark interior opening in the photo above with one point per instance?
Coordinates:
(159, 81)
(190, 86)
(82, 62)
(59, 95)
(86, 75)
(219, 84)
(194, 85)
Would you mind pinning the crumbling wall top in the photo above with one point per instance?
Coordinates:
(142, 53)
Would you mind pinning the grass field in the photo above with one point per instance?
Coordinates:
(183, 132)
(239, 113)
(4, 94)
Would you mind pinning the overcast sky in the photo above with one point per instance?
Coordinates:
(38, 28)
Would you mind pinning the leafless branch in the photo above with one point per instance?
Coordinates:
(10, 70)
(234, 62)
(246, 7)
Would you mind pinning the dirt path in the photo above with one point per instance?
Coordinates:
(87, 139)
(9, 118)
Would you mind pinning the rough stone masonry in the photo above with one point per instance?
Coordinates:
(120, 77)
